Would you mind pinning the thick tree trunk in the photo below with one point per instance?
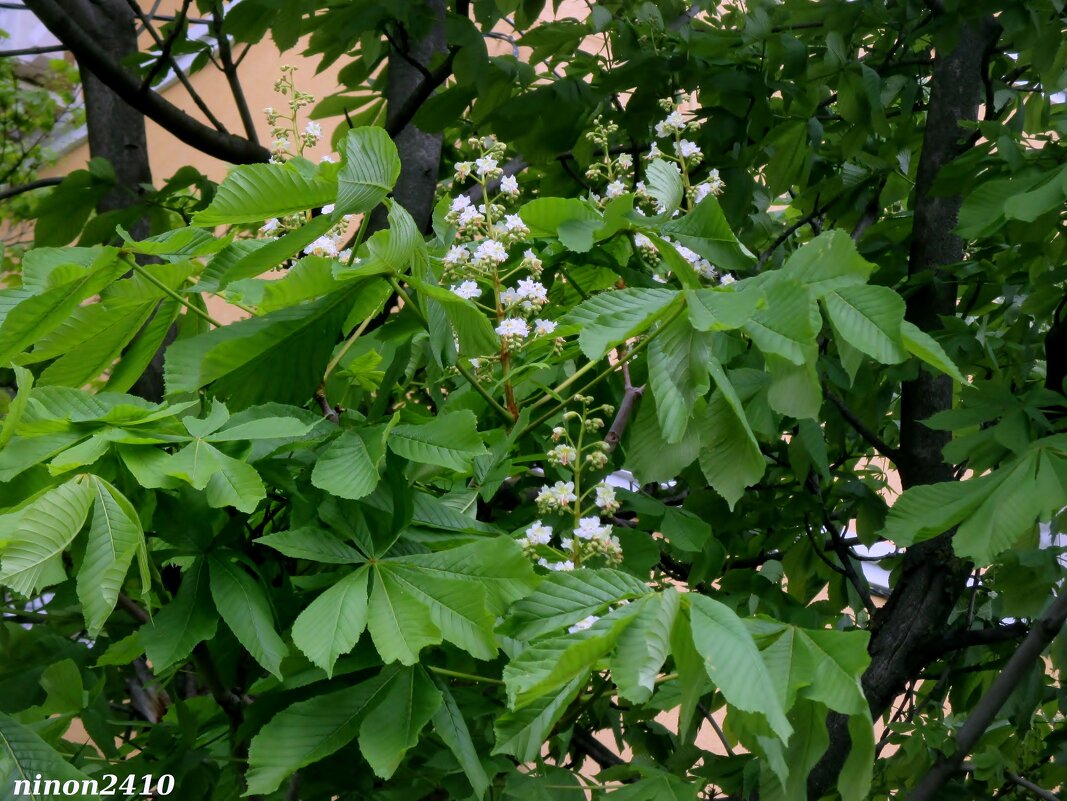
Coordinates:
(932, 578)
(420, 152)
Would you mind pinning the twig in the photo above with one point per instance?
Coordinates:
(861, 428)
(857, 578)
(421, 94)
(717, 728)
(595, 750)
(40, 183)
(788, 232)
(989, 636)
(230, 69)
(132, 608)
(630, 396)
(328, 411)
(1044, 630)
(166, 46)
(32, 51)
(166, 56)
(292, 793)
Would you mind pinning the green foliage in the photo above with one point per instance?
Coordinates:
(436, 512)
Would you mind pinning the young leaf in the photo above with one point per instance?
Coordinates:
(243, 604)
(369, 171)
(33, 556)
(255, 192)
(115, 536)
(734, 663)
(186, 621)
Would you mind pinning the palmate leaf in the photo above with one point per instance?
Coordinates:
(868, 318)
(563, 598)
(451, 727)
(706, 231)
(733, 661)
(332, 623)
(278, 356)
(787, 327)
(31, 556)
(345, 468)
(115, 537)
(678, 375)
(612, 317)
(393, 725)
(452, 595)
(309, 731)
(450, 440)
(87, 361)
(225, 480)
(254, 192)
(25, 757)
(369, 171)
(730, 457)
(522, 733)
(243, 605)
(37, 315)
(546, 665)
(308, 542)
(643, 646)
(187, 620)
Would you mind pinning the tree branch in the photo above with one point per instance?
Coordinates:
(40, 183)
(422, 93)
(32, 51)
(230, 69)
(872, 439)
(165, 57)
(630, 396)
(57, 17)
(989, 636)
(1046, 627)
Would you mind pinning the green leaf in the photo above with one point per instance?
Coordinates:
(24, 382)
(37, 315)
(926, 510)
(788, 325)
(32, 554)
(795, 389)
(399, 624)
(678, 375)
(692, 677)
(331, 625)
(309, 731)
(345, 468)
(308, 542)
(392, 727)
(451, 727)
(115, 536)
(828, 262)
(734, 663)
(522, 733)
(227, 481)
(279, 356)
(243, 604)
(648, 455)
(563, 598)
(868, 318)
(705, 231)
(546, 665)
(723, 308)
(472, 327)
(25, 757)
(544, 215)
(369, 171)
(854, 781)
(256, 192)
(614, 316)
(663, 181)
(644, 645)
(730, 457)
(450, 440)
(186, 621)
(923, 346)
(88, 361)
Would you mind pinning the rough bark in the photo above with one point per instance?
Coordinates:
(913, 619)
(420, 152)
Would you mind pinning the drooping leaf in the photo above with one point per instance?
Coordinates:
(706, 231)
(678, 375)
(730, 457)
(392, 727)
(869, 318)
(644, 645)
(32, 557)
(788, 325)
(189, 619)
(345, 468)
(523, 732)
(369, 170)
(923, 346)
(243, 605)
(115, 537)
(451, 727)
(25, 758)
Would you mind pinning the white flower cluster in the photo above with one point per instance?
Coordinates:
(557, 498)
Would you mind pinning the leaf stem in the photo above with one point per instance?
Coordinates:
(458, 675)
(170, 292)
(473, 381)
(346, 347)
